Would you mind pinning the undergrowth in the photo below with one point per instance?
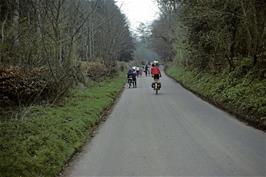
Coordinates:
(243, 94)
(41, 142)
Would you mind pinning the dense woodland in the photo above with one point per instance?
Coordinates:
(45, 44)
(211, 35)
(217, 49)
(60, 70)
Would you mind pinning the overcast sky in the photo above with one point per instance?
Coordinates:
(138, 11)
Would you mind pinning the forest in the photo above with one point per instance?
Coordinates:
(47, 46)
(218, 49)
(60, 71)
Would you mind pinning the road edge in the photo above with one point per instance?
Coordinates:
(241, 117)
(91, 133)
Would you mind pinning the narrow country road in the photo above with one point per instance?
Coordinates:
(174, 133)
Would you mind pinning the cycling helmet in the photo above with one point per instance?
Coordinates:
(156, 63)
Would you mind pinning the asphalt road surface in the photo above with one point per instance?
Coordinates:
(174, 133)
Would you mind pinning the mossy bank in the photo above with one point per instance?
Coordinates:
(46, 138)
(241, 95)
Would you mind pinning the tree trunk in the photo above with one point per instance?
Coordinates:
(16, 23)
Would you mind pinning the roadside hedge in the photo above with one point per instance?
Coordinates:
(241, 95)
(41, 142)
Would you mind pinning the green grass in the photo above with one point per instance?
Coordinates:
(41, 143)
(244, 95)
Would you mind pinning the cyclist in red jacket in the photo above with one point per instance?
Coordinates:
(155, 71)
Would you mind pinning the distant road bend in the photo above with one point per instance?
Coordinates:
(174, 133)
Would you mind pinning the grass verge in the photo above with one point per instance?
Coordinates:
(41, 143)
(243, 96)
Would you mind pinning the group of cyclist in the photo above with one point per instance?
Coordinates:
(133, 73)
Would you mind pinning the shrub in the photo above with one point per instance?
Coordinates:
(20, 85)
